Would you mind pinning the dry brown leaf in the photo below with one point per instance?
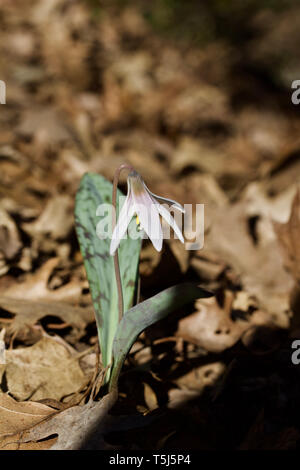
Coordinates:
(35, 286)
(258, 264)
(203, 376)
(180, 398)
(56, 220)
(78, 427)
(44, 370)
(194, 153)
(16, 417)
(211, 327)
(13, 443)
(27, 313)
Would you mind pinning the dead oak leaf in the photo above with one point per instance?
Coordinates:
(199, 378)
(17, 416)
(257, 263)
(84, 427)
(78, 427)
(55, 221)
(45, 370)
(27, 313)
(35, 286)
(211, 327)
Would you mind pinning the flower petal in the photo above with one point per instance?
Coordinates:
(162, 200)
(148, 215)
(170, 220)
(125, 217)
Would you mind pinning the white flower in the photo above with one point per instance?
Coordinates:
(147, 207)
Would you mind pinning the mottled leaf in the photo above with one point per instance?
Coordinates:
(95, 190)
(145, 314)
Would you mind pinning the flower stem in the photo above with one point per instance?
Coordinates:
(124, 166)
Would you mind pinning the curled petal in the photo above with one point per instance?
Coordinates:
(162, 200)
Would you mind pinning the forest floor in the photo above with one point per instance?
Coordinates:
(212, 125)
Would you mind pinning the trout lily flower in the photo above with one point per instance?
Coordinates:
(147, 207)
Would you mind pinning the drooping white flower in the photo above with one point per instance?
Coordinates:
(140, 201)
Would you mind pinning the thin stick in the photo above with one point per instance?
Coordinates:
(124, 166)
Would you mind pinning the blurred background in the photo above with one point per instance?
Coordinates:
(190, 87)
(196, 95)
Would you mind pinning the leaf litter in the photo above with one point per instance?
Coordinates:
(200, 123)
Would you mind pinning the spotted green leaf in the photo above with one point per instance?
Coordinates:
(93, 191)
(145, 314)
